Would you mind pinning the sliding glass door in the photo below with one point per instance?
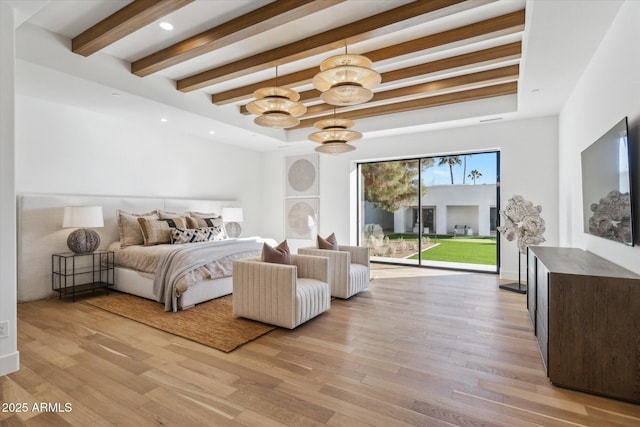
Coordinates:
(431, 211)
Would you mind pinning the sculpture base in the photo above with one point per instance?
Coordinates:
(515, 287)
(83, 241)
(233, 229)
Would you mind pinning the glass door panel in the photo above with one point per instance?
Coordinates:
(432, 211)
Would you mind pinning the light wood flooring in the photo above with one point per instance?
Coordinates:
(421, 348)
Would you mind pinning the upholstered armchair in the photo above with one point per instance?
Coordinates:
(350, 268)
(281, 294)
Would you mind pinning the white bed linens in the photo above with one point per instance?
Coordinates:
(177, 267)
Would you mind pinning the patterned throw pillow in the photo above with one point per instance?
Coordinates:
(157, 231)
(192, 235)
(198, 220)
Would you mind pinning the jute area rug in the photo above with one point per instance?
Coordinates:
(210, 323)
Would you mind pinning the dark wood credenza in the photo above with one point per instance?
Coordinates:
(585, 312)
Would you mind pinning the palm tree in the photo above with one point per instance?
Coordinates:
(464, 171)
(451, 161)
(475, 174)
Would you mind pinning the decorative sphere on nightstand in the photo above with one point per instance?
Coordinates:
(83, 241)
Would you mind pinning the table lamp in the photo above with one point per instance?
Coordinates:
(232, 217)
(83, 240)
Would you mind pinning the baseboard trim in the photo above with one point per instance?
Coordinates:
(10, 363)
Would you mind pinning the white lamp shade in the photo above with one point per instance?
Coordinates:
(82, 217)
(232, 214)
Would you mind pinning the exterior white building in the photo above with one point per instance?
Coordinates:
(446, 209)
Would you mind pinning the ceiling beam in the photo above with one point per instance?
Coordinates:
(417, 104)
(490, 28)
(458, 83)
(494, 55)
(122, 23)
(509, 23)
(511, 51)
(364, 29)
(250, 24)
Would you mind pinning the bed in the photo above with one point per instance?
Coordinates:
(181, 275)
(40, 234)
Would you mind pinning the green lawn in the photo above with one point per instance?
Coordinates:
(472, 250)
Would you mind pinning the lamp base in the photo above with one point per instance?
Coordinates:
(233, 229)
(83, 241)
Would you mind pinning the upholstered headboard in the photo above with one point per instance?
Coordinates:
(40, 231)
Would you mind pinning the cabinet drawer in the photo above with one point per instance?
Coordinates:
(543, 343)
(532, 305)
(542, 295)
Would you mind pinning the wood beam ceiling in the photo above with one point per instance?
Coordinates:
(374, 26)
(122, 23)
(480, 74)
(452, 84)
(501, 25)
(494, 55)
(250, 24)
(417, 104)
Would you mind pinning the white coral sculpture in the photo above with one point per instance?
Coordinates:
(522, 221)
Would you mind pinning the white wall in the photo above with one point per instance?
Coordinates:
(468, 205)
(529, 167)
(9, 355)
(608, 90)
(64, 149)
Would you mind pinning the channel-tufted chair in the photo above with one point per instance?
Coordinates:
(350, 268)
(281, 294)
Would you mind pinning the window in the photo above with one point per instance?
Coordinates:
(431, 211)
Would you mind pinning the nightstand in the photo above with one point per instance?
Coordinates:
(72, 273)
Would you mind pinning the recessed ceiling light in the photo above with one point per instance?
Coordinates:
(164, 120)
(116, 94)
(212, 132)
(167, 26)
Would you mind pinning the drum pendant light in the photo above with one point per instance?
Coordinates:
(276, 107)
(346, 80)
(334, 136)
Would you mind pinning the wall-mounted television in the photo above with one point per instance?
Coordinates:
(606, 186)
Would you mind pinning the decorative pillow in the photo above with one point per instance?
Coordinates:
(330, 243)
(192, 235)
(205, 222)
(278, 255)
(130, 232)
(171, 215)
(157, 231)
(204, 215)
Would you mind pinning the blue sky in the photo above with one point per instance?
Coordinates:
(485, 163)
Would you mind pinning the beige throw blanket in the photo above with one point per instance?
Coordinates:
(217, 256)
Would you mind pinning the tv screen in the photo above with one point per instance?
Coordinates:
(606, 186)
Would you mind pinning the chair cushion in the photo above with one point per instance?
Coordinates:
(358, 278)
(330, 243)
(279, 255)
(312, 298)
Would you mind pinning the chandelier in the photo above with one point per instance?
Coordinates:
(346, 80)
(276, 107)
(334, 136)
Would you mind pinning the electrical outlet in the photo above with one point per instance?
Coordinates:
(4, 329)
